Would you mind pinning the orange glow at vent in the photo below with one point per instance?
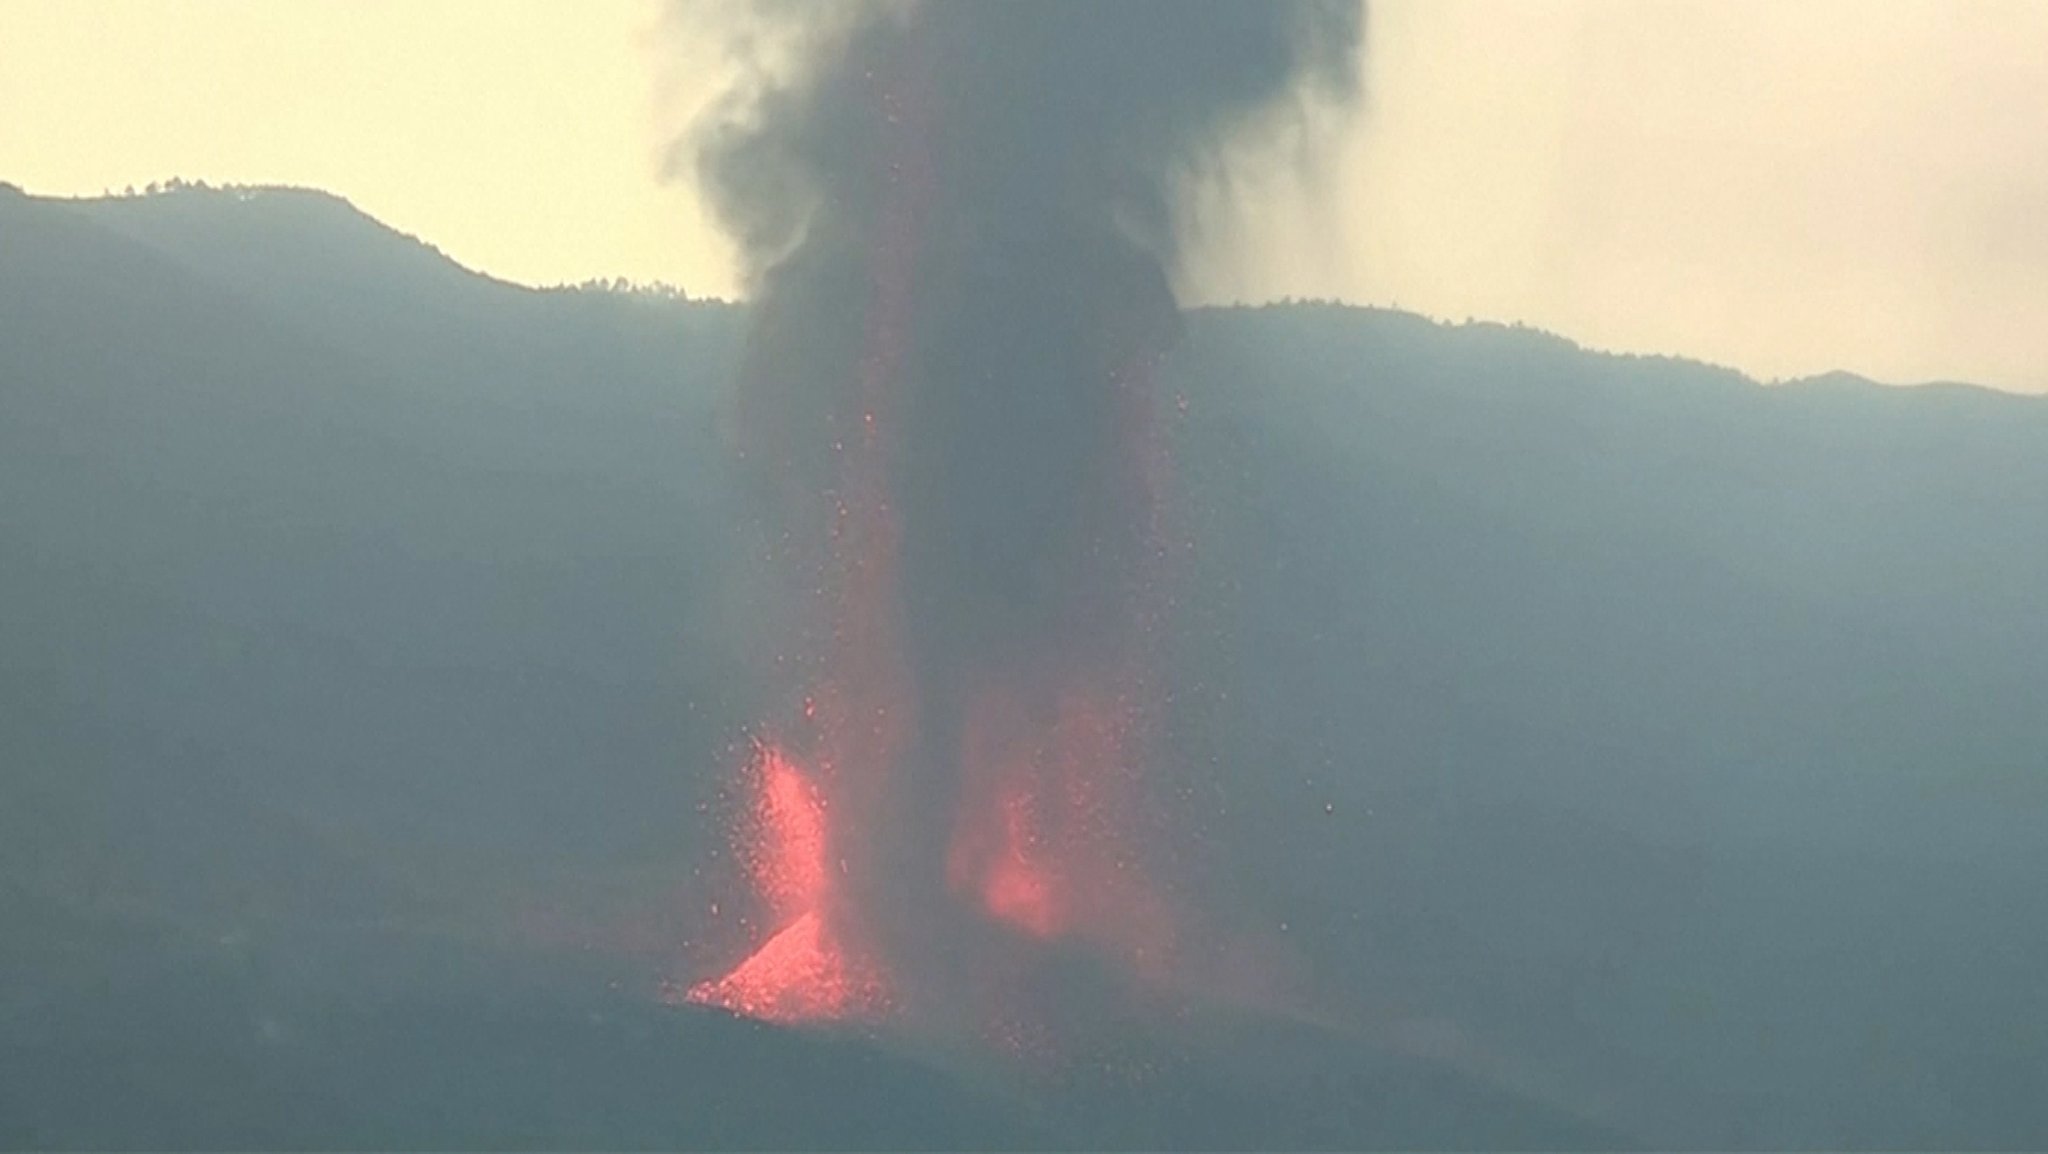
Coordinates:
(801, 973)
(1019, 888)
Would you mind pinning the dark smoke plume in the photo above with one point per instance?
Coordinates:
(958, 223)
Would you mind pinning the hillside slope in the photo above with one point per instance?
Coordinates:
(1664, 747)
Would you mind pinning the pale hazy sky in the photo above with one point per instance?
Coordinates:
(1786, 186)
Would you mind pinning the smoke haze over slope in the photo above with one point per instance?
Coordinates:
(1613, 734)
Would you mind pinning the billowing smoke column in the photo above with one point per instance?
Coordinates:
(958, 218)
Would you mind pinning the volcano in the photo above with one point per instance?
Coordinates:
(959, 226)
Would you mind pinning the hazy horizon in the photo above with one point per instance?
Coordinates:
(1788, 190)
(1003, 684)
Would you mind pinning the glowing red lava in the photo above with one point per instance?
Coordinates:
(1042, 842)
(802, 973)
(1006, 870)
(788, 852)
(857, 719)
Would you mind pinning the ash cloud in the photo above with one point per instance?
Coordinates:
(964, 213)
(1101, 109)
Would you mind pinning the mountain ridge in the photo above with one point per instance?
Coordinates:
(1676, 729)
(155, 219)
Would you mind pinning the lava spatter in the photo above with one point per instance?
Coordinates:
(957, 226)
(803, 972)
